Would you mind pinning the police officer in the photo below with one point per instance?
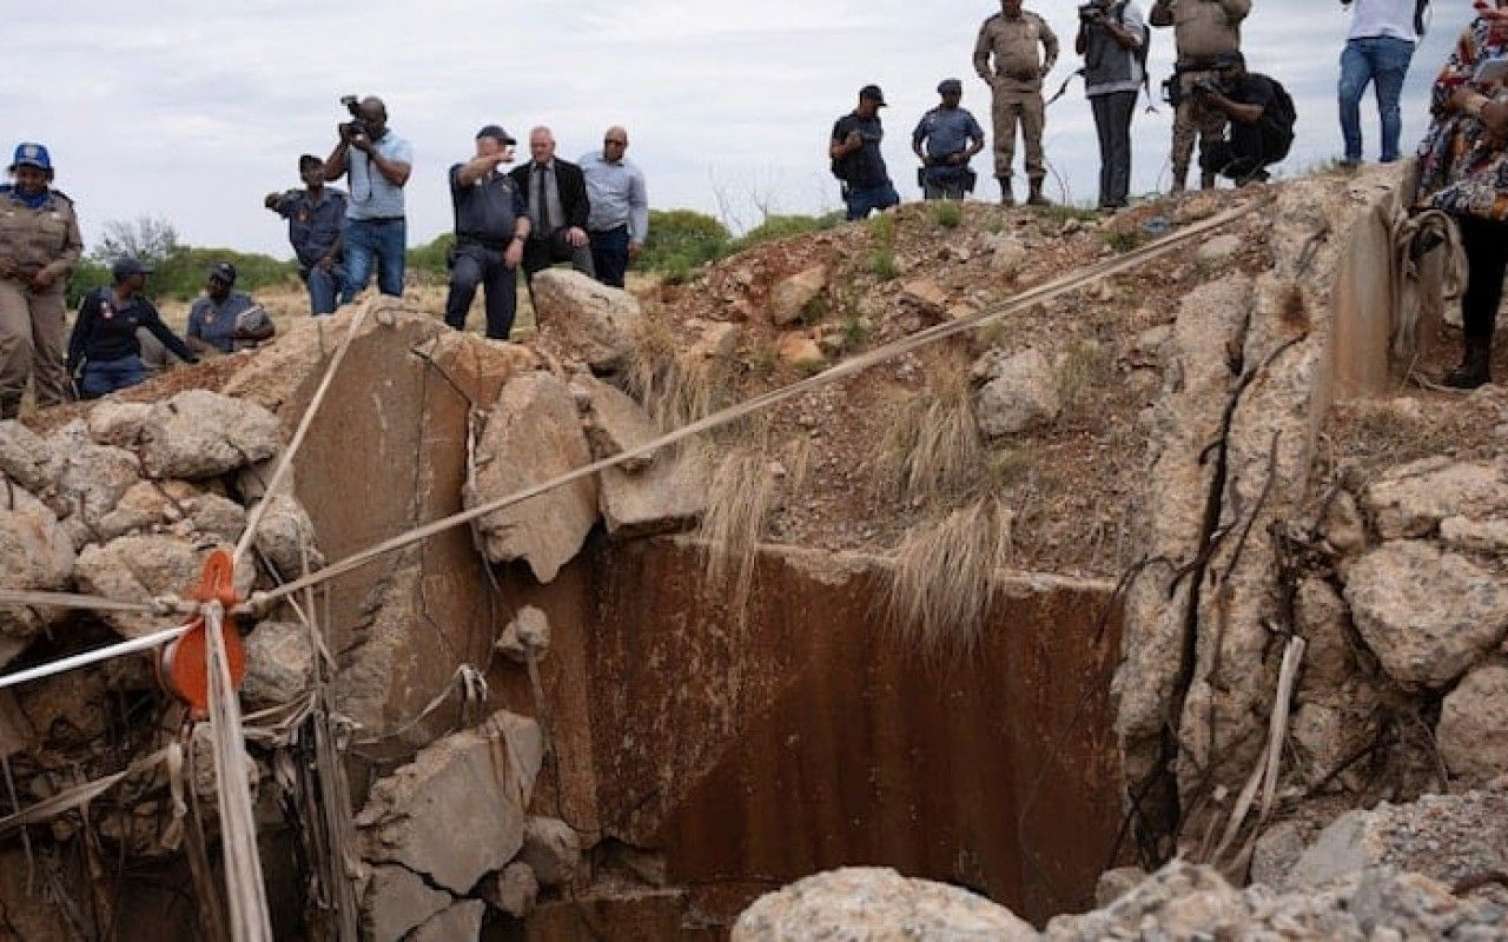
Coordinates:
(952, 138)
(104, 351)
(225, 320)
(857, 159)
(1011, 37)
(492, 227)
(316, 223)
(39, 246)
(1202, 30)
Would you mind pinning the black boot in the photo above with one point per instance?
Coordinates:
(1036, 198)
(1476, 366)
(1007, 198)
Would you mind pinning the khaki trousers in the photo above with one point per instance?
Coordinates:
(1028, 110)
(1193, 121)
(33, 344)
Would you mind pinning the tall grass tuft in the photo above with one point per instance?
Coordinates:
(933, 451)
(673, 392)
(740, 496)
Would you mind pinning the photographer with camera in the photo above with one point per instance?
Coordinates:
(856, 158)
(1379, 50)
(492, 228)
(1261, 117)
(1011, 38)
(379, 163)
(1202, 30)
(1113, 39)
(952, 138)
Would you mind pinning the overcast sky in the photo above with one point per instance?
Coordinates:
(193, 112)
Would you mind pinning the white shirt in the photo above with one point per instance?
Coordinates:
(1373, 18)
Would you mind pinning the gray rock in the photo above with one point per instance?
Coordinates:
(514, 891)
(459, 923)
(36, 554)
(1489, 537)
(1427, 615)
(876, 905)
(1020, 394)
(1473, 733)
(93, 480)
(1412, 500)
(1113, 884)
(552, 849)
(457, 812)
(1220, 248)
(591, 320)
(396, 902)
(26, 458)
(670, 496)
(534, 435)
(1275, 853)
(177, 505)
(200, 434)
(1009, 255)
(790, 296)
(286, 537)
(121, 424)
(529, 630)
(279, 664)
(615, 423)
(141, 568)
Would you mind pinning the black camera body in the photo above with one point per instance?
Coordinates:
(1207, 87)
(1093, 12)
(357, 125)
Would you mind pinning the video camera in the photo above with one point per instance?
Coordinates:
(1206, 86)
(357, 125)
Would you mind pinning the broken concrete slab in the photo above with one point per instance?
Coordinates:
(396, 902)
(533, 435)
(589, 319)
(457, 812)
(790, 296)
(615, 423)
(1426, 614)
(200, 434)
(552, 849)
(670, 496)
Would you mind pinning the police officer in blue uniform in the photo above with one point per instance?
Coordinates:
(951, 138)
(316, 224)
(104, 354)
(492, 227)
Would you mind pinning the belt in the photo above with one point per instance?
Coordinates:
(621, 225)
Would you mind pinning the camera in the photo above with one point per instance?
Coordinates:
(1207, 87)
(357, 125)
(1092, 12)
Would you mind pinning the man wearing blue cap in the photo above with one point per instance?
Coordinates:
(857, 159)
(492, 227)
(952, 137)
(39, 247)
(104, 353)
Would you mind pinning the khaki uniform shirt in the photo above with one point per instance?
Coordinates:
(1202, 29)
(1013, 44)
(36, 239)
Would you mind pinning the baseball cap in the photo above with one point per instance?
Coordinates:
(950, 86)
(224, 272)
(496, 132)
(125, 267)
(32, 155)
(873, 93)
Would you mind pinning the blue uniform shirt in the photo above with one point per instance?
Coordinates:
(215, 324)
(487, 209)
(947, 131)
(313, 228)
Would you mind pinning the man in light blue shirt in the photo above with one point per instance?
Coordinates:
(619, 220)
(379, 163)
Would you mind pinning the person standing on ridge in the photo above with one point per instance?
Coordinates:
(316, 222)
(856, 158)
(1113, 41)
(1012, 37)
(492, 227)
(379, 164)
(618, 222)
(39, 247)
(1202, 30)
(952, 138)
(1379, 50)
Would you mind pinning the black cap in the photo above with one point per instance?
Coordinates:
(950, 86)
(223, 272)
(126, 266)
(309, 160)
(872, 93)
(496, 132)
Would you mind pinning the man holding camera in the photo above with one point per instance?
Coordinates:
(1113, 41)
(1011, 38)
(857, 159)
(1261, 121)
(1202, 30)
(379, 163)
(316, 221)
(492, 227)
(952, 138)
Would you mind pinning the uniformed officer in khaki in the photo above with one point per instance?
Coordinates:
(39, 247)
(1012, 38)
(1202, 30)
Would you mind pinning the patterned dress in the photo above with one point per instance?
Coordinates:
(1463, 171)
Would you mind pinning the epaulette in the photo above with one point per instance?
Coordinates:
(62, 196)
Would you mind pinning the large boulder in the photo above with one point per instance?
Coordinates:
(1473, 733)
(533, 435)
(791, 296)
(285, 536)
(36, 554)
(1020, 393)
(173, 505)
(143, 567)
(457, 812)
(552, 849)
(590, 320)
(279, 664)
(1412, 500)
(670, 496)
(93, 480)
(876, 905)
(26, 458)
(615, 423)
(200, 434)
(1427, 615)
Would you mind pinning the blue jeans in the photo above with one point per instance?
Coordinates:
(327, 290)
(380, 241)
(610, 255)
(1385, 61)
(106, 376)
(871, 199)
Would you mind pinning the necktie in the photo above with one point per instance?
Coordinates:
(541, 202)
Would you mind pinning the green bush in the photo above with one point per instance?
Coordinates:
(431, 261)
(947, 213)
(681, 241)
(181, 274)
(86, 277)
(783, 227)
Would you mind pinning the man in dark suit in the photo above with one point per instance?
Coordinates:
(558, 207)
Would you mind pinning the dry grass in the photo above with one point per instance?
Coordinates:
(673, 392)
(1088, 368)
(944, 579)
(933, 452)
(740, 497)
